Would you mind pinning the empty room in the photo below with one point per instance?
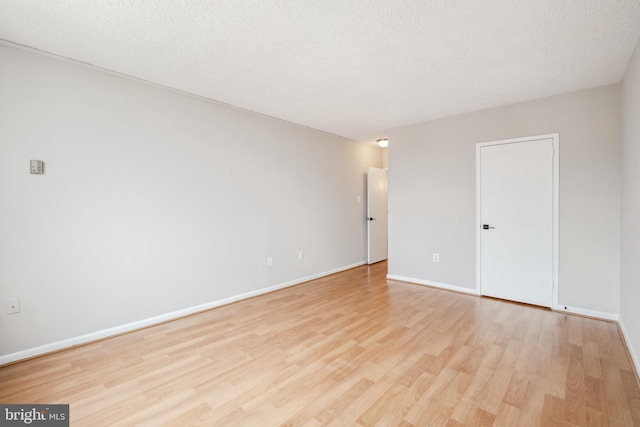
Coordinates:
(284, 213)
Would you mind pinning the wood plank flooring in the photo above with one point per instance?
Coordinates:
(346, 350)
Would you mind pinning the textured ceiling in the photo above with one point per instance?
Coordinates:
(352, 68)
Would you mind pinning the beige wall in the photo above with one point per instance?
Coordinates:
(432, 193)
(154, 202)
(630, 284)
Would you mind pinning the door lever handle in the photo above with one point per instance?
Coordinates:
(371, 219)
(486, 227)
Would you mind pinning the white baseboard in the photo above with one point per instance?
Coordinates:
(632, 353)
(433, 284)
(118, 330)
(572, 310)
(589, 313)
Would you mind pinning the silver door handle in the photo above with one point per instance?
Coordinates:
(486, 227)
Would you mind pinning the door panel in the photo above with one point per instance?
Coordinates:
(377, 215)
(516, 203)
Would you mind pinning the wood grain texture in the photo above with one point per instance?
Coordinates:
(346, 350)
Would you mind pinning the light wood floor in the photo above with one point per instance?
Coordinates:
(346, 350)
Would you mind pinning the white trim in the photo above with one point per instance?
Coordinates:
(556, 214)
(432, 284)
(118, 330)
(585, 312)
(603, 315)
(369, 213)
(632, 353)
(478, 221)
(555, 138)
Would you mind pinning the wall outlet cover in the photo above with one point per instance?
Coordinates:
(13, 306)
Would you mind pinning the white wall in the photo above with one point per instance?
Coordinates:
(630, 283)
(154, 201)
(432, 193)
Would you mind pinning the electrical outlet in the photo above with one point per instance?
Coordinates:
(300, 256)
(269, 261)
(436, 257)
(13, 306)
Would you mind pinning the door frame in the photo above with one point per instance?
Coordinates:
(385, 213)
(555, 137)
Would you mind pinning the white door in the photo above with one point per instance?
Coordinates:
(377, 215)
(516, 220)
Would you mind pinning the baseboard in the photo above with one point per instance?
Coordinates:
(563, 308)
(433, 284)
(603, 315)
(129, 327)
(632, 353)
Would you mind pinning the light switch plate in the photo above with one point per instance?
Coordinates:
(37, 166)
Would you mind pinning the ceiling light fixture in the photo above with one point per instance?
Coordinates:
(384, 142)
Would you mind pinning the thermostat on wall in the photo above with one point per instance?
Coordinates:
(37, 166)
